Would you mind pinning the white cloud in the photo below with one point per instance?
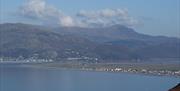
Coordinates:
(47, 14)
(38, 9)
(108, 17)
(103, 13)
(66, 21)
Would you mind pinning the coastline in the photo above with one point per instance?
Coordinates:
(112, 68)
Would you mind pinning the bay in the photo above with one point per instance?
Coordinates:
(19, 78)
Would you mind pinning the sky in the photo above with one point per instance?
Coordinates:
(154, 17)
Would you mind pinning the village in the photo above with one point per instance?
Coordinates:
(83, 64)
(22, 60)
(142, 71)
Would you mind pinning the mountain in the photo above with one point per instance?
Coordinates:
(28, 40)
(113, 33)
(137, 45)
(115, 43)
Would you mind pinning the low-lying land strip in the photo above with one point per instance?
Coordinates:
(143, 68)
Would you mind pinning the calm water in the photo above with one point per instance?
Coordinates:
(16, 78)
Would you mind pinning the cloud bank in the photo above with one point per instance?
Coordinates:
(40, 10)
(48, 14)
(107, 17)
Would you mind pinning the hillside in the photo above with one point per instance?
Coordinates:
(27, 40)
(115, 43)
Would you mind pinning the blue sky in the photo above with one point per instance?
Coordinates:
(156, 17)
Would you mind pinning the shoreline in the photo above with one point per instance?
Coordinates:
(105, 69)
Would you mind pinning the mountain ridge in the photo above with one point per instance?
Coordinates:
(108, 43)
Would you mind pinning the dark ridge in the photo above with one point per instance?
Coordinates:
(176, 88)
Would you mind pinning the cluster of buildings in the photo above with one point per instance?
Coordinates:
(143, 71)
(23, 60)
